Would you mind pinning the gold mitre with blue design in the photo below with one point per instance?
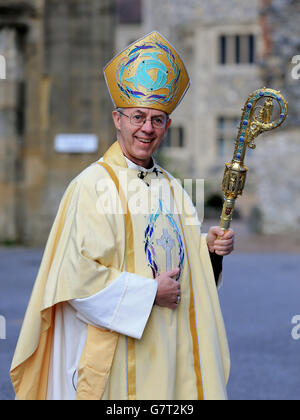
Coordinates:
(147, 74)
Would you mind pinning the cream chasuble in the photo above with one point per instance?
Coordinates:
(91, 330)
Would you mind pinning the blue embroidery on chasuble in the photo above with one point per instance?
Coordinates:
(166, 243)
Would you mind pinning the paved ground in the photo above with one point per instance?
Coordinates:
(18, 269)
(259, 297)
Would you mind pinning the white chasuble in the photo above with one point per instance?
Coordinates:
(100, 285)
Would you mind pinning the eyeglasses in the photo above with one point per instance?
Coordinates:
(139, 120)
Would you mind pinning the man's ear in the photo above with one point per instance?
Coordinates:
(168, 123)
(116, 118)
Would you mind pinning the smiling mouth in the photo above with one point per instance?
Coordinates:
(144, 140)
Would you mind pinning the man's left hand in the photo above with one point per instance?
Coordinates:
(220, 242)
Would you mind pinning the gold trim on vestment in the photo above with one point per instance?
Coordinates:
(30, 376)
(130, 263)
(192, 313)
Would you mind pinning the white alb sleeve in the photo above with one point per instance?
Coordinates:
(124, 306)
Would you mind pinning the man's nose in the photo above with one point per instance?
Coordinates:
(147, 126)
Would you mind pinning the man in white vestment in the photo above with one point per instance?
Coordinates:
(125, 305)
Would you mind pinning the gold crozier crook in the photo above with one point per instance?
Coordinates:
(256, 118)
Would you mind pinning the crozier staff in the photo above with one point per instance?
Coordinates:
(125, 305)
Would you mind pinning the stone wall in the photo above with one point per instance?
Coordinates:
(278, 152)
(11, 124)
(281, 30)
(55, 53)
(65, 46)
(278, 186)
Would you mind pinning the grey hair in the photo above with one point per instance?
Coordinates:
(120, 110)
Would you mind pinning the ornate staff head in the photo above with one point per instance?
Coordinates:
(256, 118)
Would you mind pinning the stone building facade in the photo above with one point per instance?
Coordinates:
(220, 43)
(231, 48)
(54, 51)
(277, 160)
